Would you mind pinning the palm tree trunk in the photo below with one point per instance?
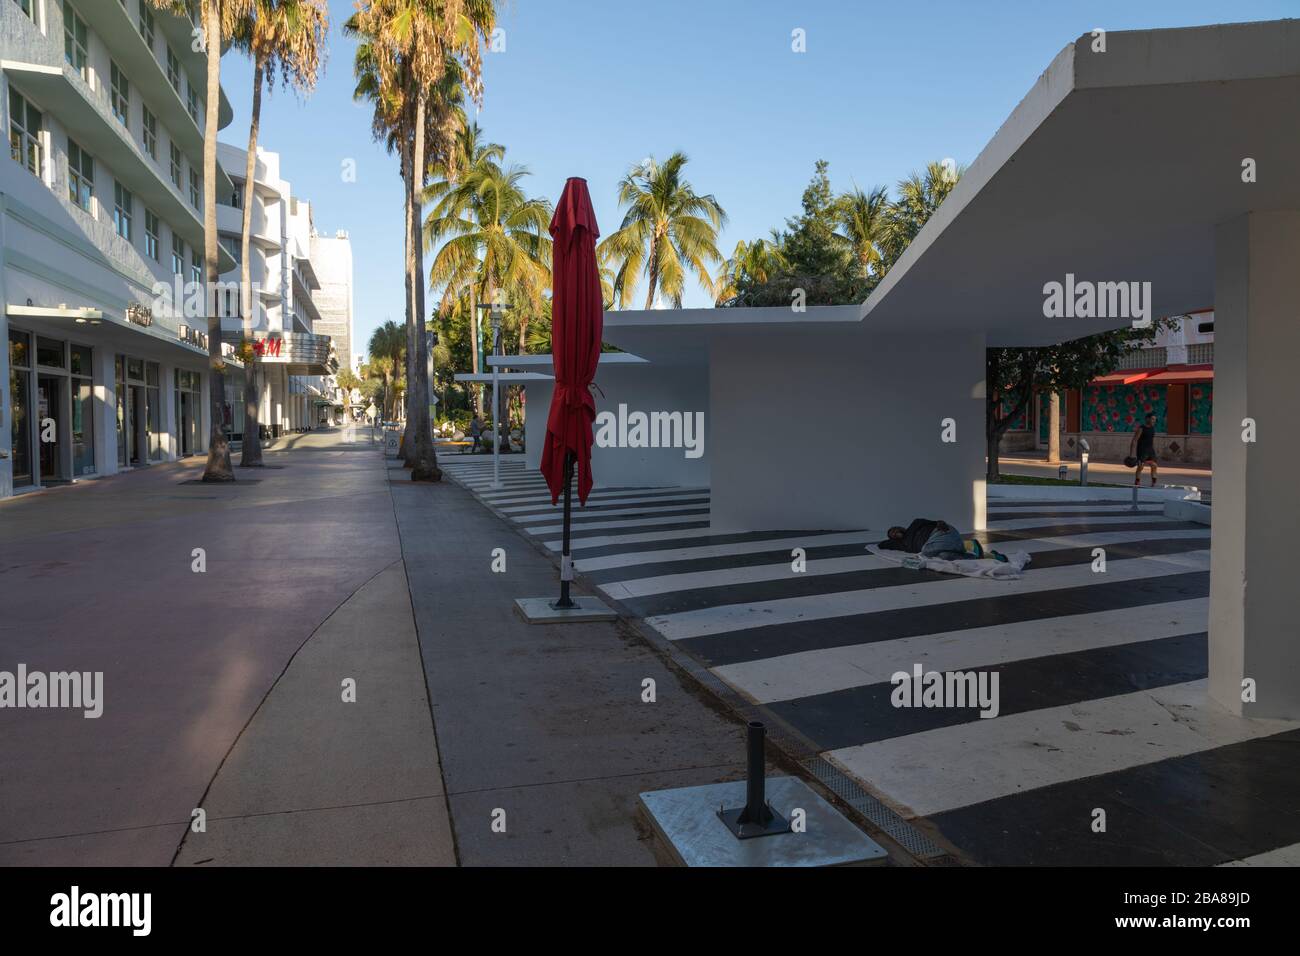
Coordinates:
(408, 176)
(218, 467)
(473, 317)
(652, 273)
(424, 466)
(251, 455)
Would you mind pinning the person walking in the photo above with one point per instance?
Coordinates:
(475, 432)
(1142, 448)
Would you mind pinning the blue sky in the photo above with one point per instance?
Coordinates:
(586, 89)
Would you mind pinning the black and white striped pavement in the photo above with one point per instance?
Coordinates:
(1101, 675)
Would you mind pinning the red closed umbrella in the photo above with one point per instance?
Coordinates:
(577, 320)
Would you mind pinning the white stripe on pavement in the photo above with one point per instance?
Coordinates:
(936, 770)
(819, 607)
(625, 523)
(780, 570)
(825, 671)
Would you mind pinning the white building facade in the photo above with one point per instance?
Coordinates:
(293, 356)
(100, 208)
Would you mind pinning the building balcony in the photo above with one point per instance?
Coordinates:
(63, 93)
(120, 33)
(231, 221)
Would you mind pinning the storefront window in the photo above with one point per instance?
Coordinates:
(49, 353)
(19, 403)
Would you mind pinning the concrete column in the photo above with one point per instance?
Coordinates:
(1054, 428)
(1256, 509)
(205, 411)
(104, 381)
(6, 426)
(170, 413)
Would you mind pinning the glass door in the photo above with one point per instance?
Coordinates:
(50, 426)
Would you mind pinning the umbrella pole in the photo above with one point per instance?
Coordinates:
(566, 561)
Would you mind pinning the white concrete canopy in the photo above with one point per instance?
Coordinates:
(1160, 157)
(1116, 166)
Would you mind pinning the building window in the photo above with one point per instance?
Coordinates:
(232, 245)
(178, 254)
(26, 6)
(75, 42)
(173, 69)
(122, 211)
(120, 96)
(24, 133)
(196, 266)
(81, 176)
(151, 235)
(150, 134)
(146, 23)
(192, 103)
(175, 164)
(196, 189)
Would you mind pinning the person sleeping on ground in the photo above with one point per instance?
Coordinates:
(934, 539)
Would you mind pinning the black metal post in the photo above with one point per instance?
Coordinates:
(566, 560)
(756, 810)
(756, 818)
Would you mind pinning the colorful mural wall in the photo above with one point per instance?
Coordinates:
(1201, 408)
(1021, 422)
(1120, 408)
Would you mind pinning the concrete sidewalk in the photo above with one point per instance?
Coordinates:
(317, 781)
(1104, 472)
(99, 577)
(543, 726)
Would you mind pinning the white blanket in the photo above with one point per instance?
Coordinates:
(1009, 570)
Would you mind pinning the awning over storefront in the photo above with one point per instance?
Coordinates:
(1159, 376)
(1125, 378)
(1182, 374)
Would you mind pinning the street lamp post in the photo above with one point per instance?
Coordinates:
(497, 311)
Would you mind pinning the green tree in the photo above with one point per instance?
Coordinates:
(286, 39)
(919, 195)
(810, 260)
(492, 240)
(412, 59)
(667, 231)
(387, 358)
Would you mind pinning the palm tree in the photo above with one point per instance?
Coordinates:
(919, 195)
(218, 24)
(667, 229)
(285, 38)
(752, 262)
(468, 153)
(387, 356)
(497, 240)
(863, 224)
(402, 66)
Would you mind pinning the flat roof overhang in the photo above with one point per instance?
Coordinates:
(547, 360)
(1115, 167)
(506, 378)
(55, 89)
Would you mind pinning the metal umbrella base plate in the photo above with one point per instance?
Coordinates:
(687, 820)
(748, 829)
(542, 610)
